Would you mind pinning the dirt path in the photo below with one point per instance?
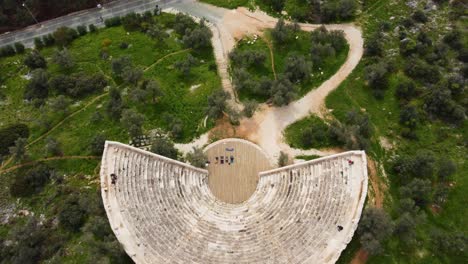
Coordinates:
(270, 47)
(361, 255)
(266, 127)
(46, 159)
(164, 57)
(95, 99)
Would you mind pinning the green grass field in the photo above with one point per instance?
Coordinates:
(293, 133)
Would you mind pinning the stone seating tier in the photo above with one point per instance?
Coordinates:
(163, 211)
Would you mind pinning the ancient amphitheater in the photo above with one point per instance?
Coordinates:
(164, 211)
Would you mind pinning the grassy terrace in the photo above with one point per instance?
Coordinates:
(184, 97)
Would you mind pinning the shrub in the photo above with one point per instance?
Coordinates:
(374, 227)
(96, 145)
(30, 181)
(63, 58)
(133, 121)
(48, 40)
(72, 216)
(157, 33)
(164, 147)
(7, 51)
(52, 147)
(114, 106)
(92, 28)
(38, 86)
(82, 30)
(419, 190)
(197, 157)
(217, 104)
(446, 169)
(283, 159)
(9, 134)
(86, 84)
(113, 22)
(106, 43)
(19, 47)
(131, 21)
(249, 108)
(297, 69)
(184, 66)
(35, 60)
(64, 36)
(283, 92)
(247, 58)
(123, 45)
(182, 23)
(38, 43)
(282, 32)
(419, 16)
(198, 38)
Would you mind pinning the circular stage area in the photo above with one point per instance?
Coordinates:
(234, 167)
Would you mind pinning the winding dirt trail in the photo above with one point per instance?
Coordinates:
(46, 159)
(267, 125)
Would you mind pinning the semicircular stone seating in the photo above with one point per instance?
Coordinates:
(162, 211)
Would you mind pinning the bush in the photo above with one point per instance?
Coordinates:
(217, 104)
(374, 45)
(282, 33)
(48, 40)
(283, 159)
(283, 92)
(421, 165)
(174, 124)
(64, 36)
(198, 38)
(82, 30)
(377, 75)
(113, 22)
(72, 216)
(52, 147)
(374, 227)
(164, 147)
(38, 87)
(419, 16)
(247, 58)
(197, 158)
(446, 169)
(182, 23)
(131, 21)
(96, 145)
(63, 58)
(35, 60)
(419, 190)
(123, 45)
(409, 116)
(249, 108)
(92, 28)
(9, 134)
(114, 106)
(184, 66)
(19, 47)
(7, 51)
(30, 181)
(38, 43)
(297, 69)
(133, 121)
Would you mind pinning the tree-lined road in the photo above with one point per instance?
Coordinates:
(85, 17)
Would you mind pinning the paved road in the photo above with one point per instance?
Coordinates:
(86, 17)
